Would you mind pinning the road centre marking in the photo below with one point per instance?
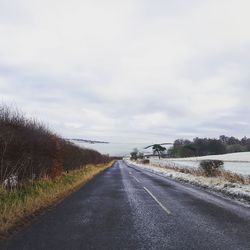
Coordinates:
(158, 202)
(136, 179)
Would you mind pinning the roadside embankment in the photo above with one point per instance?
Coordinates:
(226, 184)
(18, 206)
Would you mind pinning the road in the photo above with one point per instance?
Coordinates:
(129, 208)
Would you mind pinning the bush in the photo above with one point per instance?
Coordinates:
(211, 167)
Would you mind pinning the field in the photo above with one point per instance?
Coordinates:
(237, 162)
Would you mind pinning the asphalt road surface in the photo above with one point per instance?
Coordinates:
(129, 208)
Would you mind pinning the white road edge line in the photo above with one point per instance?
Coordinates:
(158, 202)
(136, 179)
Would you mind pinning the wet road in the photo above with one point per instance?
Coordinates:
(129, 208)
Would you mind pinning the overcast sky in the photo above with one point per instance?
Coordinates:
(134, 71)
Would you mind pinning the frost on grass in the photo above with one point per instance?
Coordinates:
(219, 184)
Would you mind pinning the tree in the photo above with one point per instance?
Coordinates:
(134, 154)
(216, 147)
(232, 140)
(224, 139)
(158, 149)
(140, 156)
(187, 151)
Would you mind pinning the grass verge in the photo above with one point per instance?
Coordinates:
(18, 206)
(224, 175)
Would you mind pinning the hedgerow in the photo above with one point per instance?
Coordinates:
(30, 151)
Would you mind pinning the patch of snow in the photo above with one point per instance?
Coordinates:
(242, 156)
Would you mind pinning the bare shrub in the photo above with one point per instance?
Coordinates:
(211, 167)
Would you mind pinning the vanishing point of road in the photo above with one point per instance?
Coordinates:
(127, 207)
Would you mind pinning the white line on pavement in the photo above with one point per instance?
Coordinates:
(136, 179)
(158, 202)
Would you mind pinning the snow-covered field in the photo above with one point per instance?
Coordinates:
(236, 162)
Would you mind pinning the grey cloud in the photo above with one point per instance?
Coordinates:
(139, 71)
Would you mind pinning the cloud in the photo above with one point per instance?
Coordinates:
(131, 70)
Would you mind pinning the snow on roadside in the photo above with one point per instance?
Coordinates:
(235, 190)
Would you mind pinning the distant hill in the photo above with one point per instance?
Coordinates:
(87, 141)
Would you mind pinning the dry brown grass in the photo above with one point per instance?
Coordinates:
(226, 175)
(235, 178)
(18, 205)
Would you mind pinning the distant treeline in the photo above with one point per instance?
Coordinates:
(207, 146)
(29, 150)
